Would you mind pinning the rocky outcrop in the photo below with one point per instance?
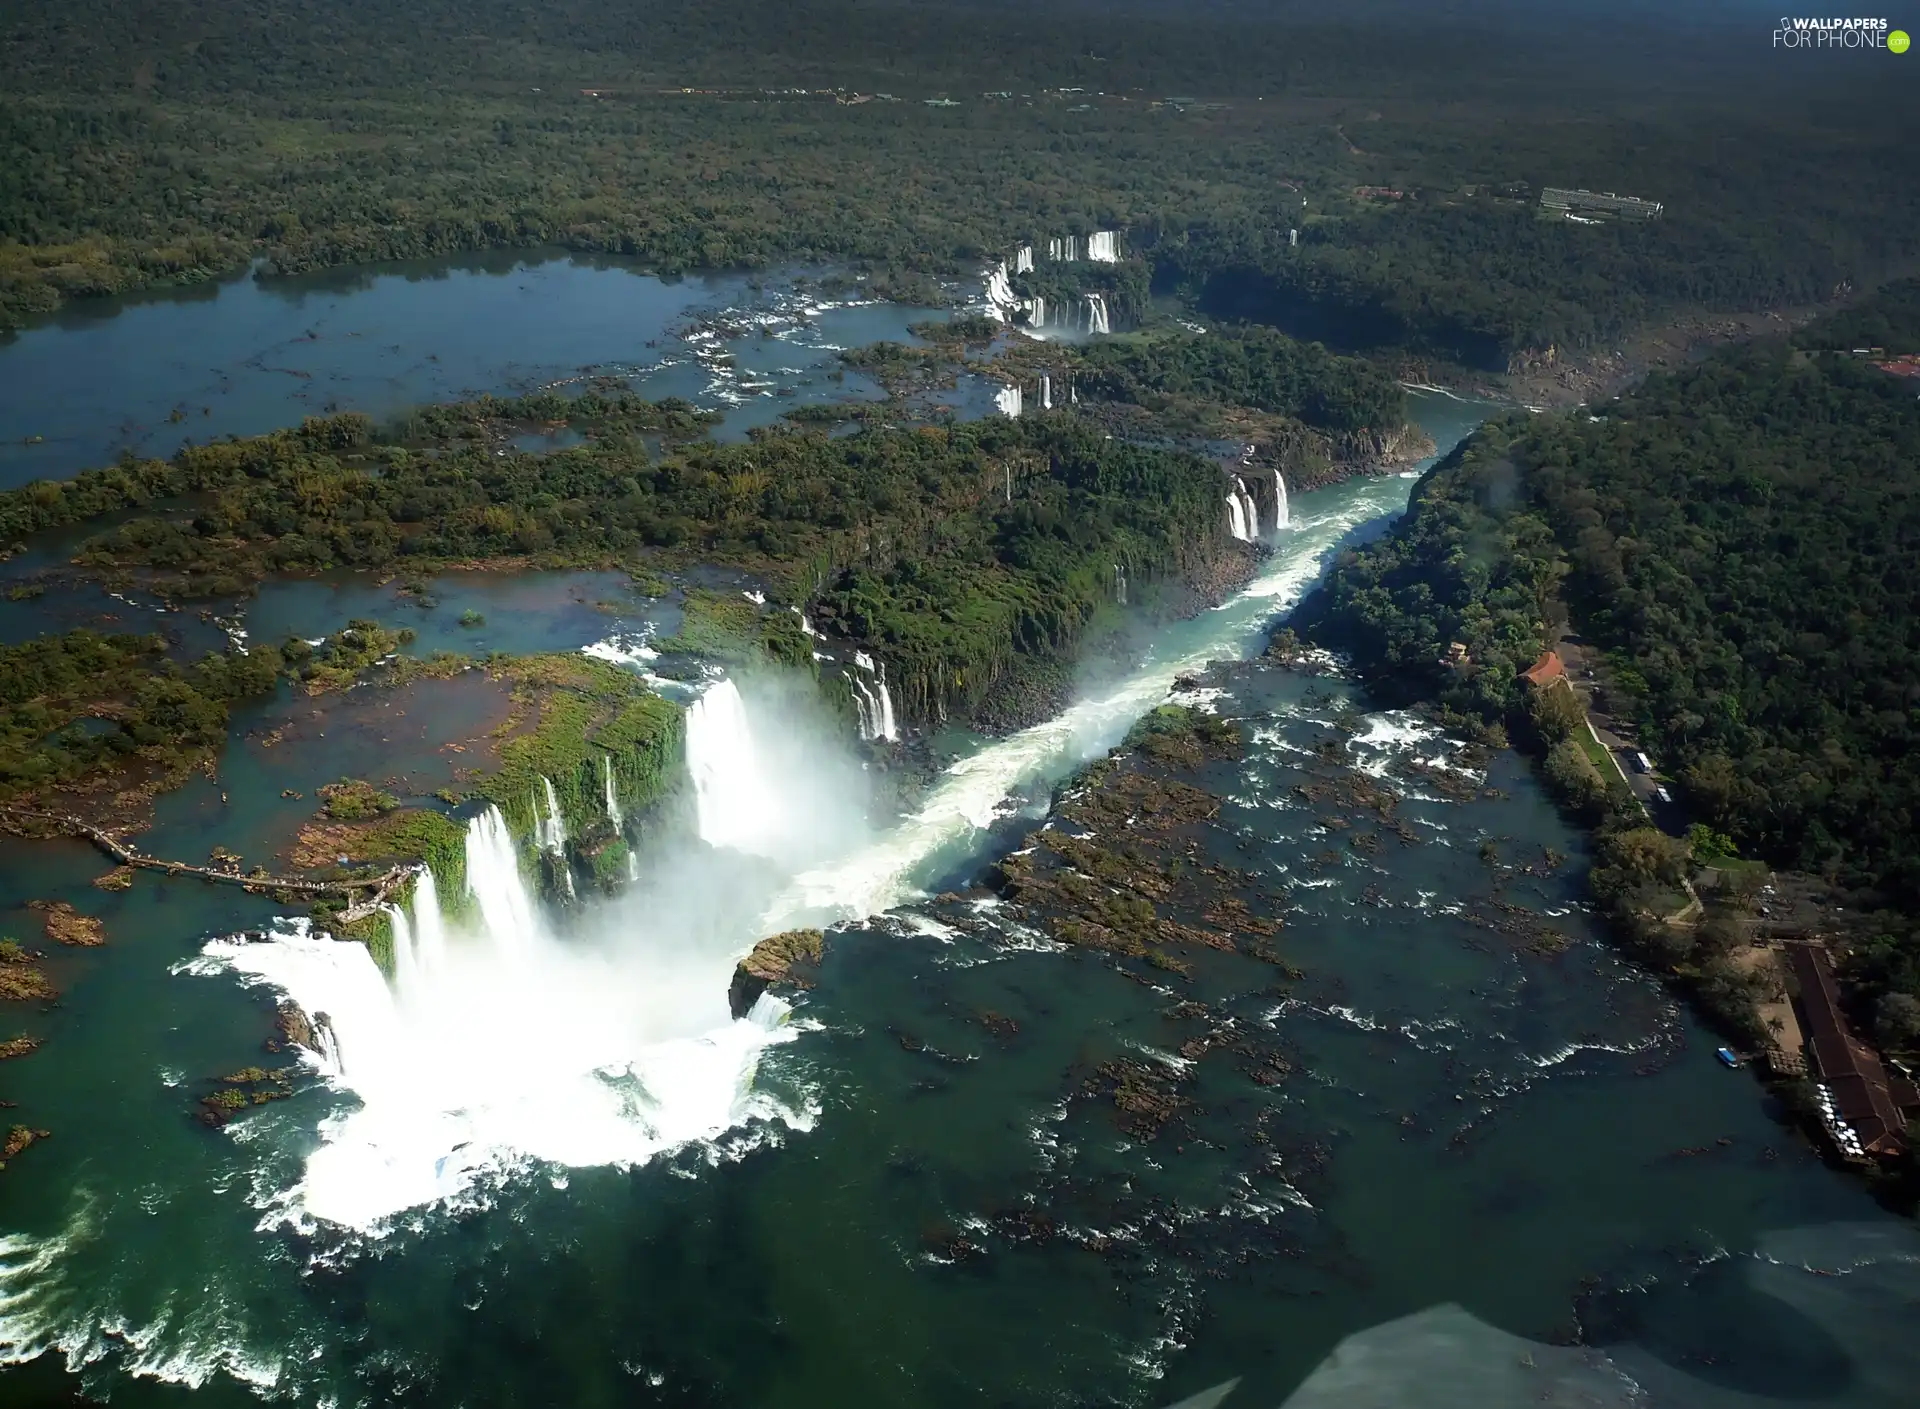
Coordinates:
(119, 878)
(774, 960)
(295, 1026)
(1394, 448)
(18, 1139)
(66, 925)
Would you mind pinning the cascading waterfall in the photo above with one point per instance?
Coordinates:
(1119, 584)
(506, 1046)
(550, 832)
(873, 703)
(889, 730)
(866, 707)
(1236, 519)
(1243, 515)
(494, 882)
(1000, 296)
(1023, 260)
(613, 798)
(1283, 513)
(1007, 401)
(429, 927)
(1046, 392)
(1036, 312)
(737, 798)
(406, 972)
(326, 1042)
(1103, 247)
(1097, 314)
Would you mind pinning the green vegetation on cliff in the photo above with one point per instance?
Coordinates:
(572, 718)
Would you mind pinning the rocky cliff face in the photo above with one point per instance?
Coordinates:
(1373, 450)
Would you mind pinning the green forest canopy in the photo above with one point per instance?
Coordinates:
(167, 146)
(905, 537)
(1740, 537)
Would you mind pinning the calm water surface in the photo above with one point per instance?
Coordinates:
(250, 355)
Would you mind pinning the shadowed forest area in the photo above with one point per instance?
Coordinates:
(1406, 146)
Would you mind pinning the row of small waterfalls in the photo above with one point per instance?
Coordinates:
(1101, 247)
(1083, 315)
(1011, 399)
(1243, 511)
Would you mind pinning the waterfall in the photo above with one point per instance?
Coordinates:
(1023, 260)
(737, 802)
(550, 835)
(406, 966)
(873, 703)
(429, 926)
(613, 799)
(1103, 247)
(1119, 584)
(494, 882)
(1007, 401)
(1056, 251)
(1000, 296)
(1243, 515)
(889, 731)
(1283, 512)
(1097, 314)
(1037, 312)
(1236, 521)
(550, 832)
(866, 707)
(518, 1049)
(326, 1044)
(1046, 392)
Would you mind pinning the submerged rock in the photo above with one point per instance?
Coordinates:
(773, 961)
(295, 1025)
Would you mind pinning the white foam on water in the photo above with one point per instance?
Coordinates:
(505, 1049)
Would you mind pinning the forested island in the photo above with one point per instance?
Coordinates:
(1727, 547)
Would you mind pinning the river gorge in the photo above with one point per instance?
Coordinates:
(1429, 1141)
